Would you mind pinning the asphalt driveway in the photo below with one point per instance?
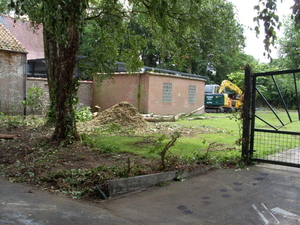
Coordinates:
(259, 194)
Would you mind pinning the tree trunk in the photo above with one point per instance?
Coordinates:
(66, 87)
(60, 60)
(50, 49)
(190, 66)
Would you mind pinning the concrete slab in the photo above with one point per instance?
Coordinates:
(128, 185)
(125, 186)
(255, 195)
(22, 204)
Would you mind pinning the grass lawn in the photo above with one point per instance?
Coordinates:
(212, 135)
(266, 144)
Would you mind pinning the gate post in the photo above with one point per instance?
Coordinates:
(246, 114)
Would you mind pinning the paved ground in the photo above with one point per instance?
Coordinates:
(289, 156)
(254, 195)
(21, 204)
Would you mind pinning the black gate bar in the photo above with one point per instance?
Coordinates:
(281, 97)
(297, 96)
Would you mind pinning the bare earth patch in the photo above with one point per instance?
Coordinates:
(31, 158)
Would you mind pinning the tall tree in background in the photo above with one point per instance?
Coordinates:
(267, 14)
(289, 46)
(213, 37)
(187, 29)
(63, 22)
(4, 6)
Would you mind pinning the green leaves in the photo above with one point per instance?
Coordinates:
(34, 99)
(289, 45)
(267, 13)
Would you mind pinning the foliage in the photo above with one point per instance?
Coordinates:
(83, 114)
(213, 43)
(211, 155)
(78, 182)
(34, 99)
(266, 85)
(267, 14)
(63, 24)
(162, 149)
(4, 6)
(286, 88)
(100, 41)
(237, 78)
(289, 46)
(11, 122)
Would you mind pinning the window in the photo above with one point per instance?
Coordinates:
(167, 92)
(192, 94)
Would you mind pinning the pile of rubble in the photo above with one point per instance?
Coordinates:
(123, 114)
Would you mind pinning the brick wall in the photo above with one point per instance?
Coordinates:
(145, 92)
(180, 91)
(123, 87)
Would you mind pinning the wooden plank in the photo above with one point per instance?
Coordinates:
(9, 136)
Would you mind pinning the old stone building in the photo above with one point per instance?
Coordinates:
(31, 38)
(12, 73)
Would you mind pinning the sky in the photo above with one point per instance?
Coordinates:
(246, 13)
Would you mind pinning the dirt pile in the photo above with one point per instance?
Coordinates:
(123, 114)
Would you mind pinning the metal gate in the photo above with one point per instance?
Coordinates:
(271, 115)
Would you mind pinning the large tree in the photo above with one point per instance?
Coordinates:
(4, 6)
(268, 18)
(289, 46)
(63, 22)
(212, 38)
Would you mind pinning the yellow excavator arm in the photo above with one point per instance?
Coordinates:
(221, 101)
(227, 84)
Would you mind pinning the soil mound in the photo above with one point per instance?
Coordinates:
(123, 114)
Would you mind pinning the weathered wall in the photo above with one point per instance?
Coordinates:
(145, 92)
(123, 87)
(180, 90)
(85, 91)
(12, 81)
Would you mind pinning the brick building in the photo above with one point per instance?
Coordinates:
(152, 92)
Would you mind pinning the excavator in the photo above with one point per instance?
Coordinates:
(219, 100)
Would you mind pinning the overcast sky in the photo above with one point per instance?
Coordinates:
(246, 13)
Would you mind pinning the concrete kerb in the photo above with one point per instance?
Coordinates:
(125, 186)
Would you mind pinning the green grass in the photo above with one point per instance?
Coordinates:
(117, 144)
(273, 143)
(218, 133)
(280, 120)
